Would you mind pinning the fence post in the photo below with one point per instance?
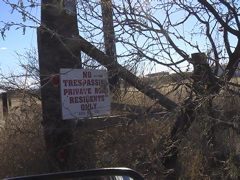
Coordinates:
(9, 100)
(200, 74)
(4, 104)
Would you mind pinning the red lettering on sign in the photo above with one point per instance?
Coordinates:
(90, 106)
(71, 100)
(87, 74)
(82, 82)
(86, 99)
(77, 91)
(100, 90)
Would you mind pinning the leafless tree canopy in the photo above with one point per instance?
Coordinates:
(150, 33)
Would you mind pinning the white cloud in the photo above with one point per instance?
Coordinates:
(3, 48)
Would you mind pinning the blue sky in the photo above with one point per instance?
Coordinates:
(14, 41)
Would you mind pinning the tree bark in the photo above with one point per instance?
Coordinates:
(110, 47)
(55, 52)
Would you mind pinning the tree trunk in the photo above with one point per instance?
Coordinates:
(110, 47)
(55, 52)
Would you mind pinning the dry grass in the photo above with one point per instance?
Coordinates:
(22, 146)
(137, 146)
(210, 149)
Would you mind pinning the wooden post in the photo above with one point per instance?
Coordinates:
(187, 116)
(58, 23)
(9, 100)
(200, 74)
(4, 104)
(110, 47)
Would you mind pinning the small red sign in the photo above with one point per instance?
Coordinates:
(55, 80)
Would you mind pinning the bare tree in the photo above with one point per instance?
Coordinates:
(163, 34)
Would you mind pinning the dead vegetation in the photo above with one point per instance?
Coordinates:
(210, 149)
(22, 149)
